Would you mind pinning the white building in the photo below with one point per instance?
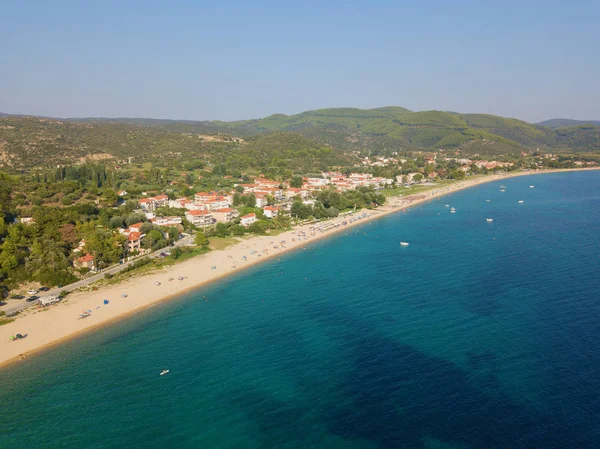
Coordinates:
(201, 218)
(247, 220)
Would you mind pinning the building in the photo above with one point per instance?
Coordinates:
(148, 204)
(271, 211)
(225, 215)
(200, 218)
(247, 220)
(134, 241)
(87, 261)
(167, 221)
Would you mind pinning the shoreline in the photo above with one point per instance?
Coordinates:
(57, 324)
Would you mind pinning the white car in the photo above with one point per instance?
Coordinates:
(32, 292)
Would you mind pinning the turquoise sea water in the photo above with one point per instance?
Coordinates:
(477, 335)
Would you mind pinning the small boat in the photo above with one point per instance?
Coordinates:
(531, 187)
(453, 211)
(503, 187)
(502, 190)
(447, 205)
(165, 371)
(487, 201)
(521, 201)
(403, 243)
(489, 220)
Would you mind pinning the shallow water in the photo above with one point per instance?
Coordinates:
(477, 335)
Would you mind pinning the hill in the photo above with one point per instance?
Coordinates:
(38, 142)
(565, 122)
(30, 141)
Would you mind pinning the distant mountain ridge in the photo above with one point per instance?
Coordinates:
(26, 140)
(566, 122)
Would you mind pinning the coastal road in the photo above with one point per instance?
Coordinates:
(14, 306)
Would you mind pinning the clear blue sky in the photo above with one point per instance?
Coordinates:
(227, 60)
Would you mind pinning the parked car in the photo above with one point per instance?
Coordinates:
(32, 298)
(32, 292)
(17, 297)
(44, 289)
(2, 303)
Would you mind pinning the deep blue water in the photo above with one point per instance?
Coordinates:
(477, 335)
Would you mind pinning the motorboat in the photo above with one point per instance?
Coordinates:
(487, 201)
(165, 371)
(502, 190)
(521, 201)
(403, 243)
(489, 220)
(531, 187)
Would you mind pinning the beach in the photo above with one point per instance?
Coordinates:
(49, 326)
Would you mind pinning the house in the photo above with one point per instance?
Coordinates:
(271, 211)
(167, 221)
(122, 193)
(137, 227)
(148, 204)
(134, 241)
(261, 201)
(27, 220)
(247, 220)
(86, 261)
(160, 200)
(201, 218)
(225, 215)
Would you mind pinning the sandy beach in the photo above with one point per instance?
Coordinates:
(46, 327)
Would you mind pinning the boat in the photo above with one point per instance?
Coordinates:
(453, 211)
(502, 190)
(503, 187)
(452, 208)
(521, 201)
(165, 371)
(489, 220)
(531, 187)
(403, 243)
(487, 201)
(447, 205)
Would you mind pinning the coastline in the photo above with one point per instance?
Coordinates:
(48, 327)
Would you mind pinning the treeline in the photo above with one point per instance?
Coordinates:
(329, 203)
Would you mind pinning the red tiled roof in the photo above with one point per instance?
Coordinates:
(86, 258)
(133, 236)
(250, 215)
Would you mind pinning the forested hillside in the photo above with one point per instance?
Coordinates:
(324, 135)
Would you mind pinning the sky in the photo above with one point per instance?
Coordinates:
(227, 60)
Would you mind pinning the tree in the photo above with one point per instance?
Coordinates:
(134, 218)
(117, 222)
(238, 230)
(110, 197)
(221, 230)
(201, 239)
(296, 181)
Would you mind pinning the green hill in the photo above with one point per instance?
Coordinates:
(565, 123)
(30, 141)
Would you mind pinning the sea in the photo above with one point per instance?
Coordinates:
(477, 335)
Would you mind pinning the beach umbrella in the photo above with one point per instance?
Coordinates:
(105, 301)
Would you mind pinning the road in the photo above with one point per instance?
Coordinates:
(16, 305)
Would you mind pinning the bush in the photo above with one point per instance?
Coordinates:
(46, 276)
